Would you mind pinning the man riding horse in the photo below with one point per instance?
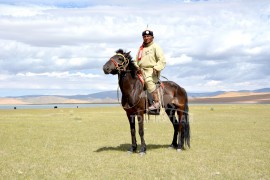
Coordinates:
(150, 60)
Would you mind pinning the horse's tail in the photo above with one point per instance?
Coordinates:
(186, 126)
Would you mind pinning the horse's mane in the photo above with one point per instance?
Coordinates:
(127, 55)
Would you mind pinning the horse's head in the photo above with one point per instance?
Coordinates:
(117, 63)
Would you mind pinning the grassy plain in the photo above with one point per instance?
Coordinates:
(227, 142)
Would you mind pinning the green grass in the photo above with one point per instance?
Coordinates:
(227, 142)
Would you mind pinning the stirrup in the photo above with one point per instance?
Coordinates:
(153, 111)
(154, 107)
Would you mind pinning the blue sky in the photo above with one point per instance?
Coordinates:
(59, 47)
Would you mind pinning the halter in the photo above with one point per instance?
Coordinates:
(120, 66)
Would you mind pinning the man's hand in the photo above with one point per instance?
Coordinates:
(139, 71)
(155, 72)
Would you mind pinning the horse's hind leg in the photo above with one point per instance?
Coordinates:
(131, 119)
(171, 114)
(181, 131)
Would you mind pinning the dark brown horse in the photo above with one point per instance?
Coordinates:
(134, 101)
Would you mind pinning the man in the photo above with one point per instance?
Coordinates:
(150, 59)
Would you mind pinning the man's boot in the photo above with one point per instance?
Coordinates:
(155, 104)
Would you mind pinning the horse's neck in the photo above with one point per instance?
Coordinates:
(129, 84)
(131, 89)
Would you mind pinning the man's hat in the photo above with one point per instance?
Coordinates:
(147, 32)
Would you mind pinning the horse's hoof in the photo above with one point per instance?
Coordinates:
(129, 152)
(172, 146)
(132, 149)
(179, 150)
(142, 153)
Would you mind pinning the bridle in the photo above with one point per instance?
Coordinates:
(120, 66)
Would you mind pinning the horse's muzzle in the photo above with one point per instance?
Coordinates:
(106, 69)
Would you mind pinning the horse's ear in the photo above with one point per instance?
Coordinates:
(128, 53)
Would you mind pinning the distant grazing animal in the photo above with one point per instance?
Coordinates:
(134, 101)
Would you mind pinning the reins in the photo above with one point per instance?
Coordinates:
(118, 92)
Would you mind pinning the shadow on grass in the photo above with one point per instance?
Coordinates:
(125, 147)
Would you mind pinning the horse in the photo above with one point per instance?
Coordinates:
(134, 101)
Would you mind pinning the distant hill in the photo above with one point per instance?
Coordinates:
(100, 95)
(262, 90)
(235, 97)
(205, 94)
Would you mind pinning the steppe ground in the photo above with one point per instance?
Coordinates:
(227, 142)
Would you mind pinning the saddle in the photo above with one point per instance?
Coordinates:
(159, 87)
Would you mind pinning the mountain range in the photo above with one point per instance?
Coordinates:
(242, 96)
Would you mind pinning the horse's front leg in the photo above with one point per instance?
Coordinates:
(131, 119)
(140, 117)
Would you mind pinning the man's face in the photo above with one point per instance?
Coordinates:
(147, 39)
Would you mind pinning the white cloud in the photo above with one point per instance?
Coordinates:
(183, 59)
(45, 45)
(59, 75)
(21, 11)
(213, 83)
